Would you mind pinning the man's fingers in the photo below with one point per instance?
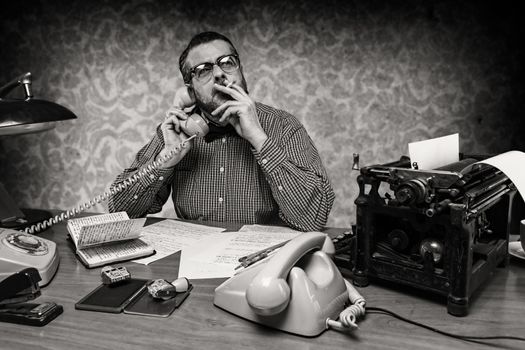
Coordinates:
(173, 118)
(231, 111)
(171, 123)
(173, 111)
(239, 89)
(225, 105)
(229, 91)
(220, 108)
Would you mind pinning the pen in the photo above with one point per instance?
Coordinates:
(250, 259)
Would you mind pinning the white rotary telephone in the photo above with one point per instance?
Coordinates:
(297, 290)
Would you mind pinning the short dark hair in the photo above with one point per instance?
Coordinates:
(199, 39)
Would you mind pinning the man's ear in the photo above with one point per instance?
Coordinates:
(191, 94)
(243, 79)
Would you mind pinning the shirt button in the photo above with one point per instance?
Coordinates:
(161, 178)
(280, 188)
(221, 199)
(151, 176)
(264, 161)
(135, 197)
(223, 139)
(221, 169)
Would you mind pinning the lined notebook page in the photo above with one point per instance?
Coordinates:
(109, 232)
(75, 225)
(101, 255)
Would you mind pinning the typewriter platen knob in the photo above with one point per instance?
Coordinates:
(411, 192)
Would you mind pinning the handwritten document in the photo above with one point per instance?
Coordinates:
(265, 228)
(170, 236)
(218, 256)
(107, 238)
(97, 229)
(248, 242)
(110, 232)
(100, 255)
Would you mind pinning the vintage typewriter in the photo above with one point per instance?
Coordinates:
(443, 230)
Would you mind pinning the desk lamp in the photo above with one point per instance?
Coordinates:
(24, 116)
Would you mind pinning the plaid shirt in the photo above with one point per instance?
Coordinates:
(225, 179)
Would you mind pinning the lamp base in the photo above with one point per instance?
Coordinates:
(31, 217)
(15, 218)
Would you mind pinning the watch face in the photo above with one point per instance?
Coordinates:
(26, 243)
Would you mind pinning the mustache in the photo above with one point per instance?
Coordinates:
(222, 95)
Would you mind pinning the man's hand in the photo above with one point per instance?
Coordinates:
(173, 138)
(181, 102)
(171, 130)
(241, 113)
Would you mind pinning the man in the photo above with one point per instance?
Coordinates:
(256, 165)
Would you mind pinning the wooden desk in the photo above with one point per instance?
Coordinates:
(497, 309)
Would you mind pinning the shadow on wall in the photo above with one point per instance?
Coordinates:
(364, 77)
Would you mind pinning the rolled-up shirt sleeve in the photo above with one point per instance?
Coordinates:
(297, 178)
(139, 192)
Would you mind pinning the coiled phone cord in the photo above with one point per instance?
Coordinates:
(348, 317)
(112, 191)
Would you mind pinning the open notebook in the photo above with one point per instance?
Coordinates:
(108, 238)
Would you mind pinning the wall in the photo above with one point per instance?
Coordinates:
(363, 76)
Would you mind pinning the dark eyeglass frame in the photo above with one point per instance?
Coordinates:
(216, 63)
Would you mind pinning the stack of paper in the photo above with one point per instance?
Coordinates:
(209, 252)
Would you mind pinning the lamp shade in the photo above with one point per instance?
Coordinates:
(22, 116)
(28, 116)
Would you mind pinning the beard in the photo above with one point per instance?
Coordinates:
(208, 104)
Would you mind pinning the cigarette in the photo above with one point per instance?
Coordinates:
(229, 84)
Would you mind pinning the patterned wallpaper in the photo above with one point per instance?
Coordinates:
(364, 77)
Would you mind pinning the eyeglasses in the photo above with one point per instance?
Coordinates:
(203, 72)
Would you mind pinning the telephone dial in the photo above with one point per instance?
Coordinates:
(19, 250)
(298, 290)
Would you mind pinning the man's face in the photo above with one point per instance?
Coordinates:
(207, 97)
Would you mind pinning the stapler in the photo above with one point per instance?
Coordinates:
(18, 288)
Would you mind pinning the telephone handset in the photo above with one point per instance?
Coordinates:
(297, 290)
(269, 293)
(195, 125)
